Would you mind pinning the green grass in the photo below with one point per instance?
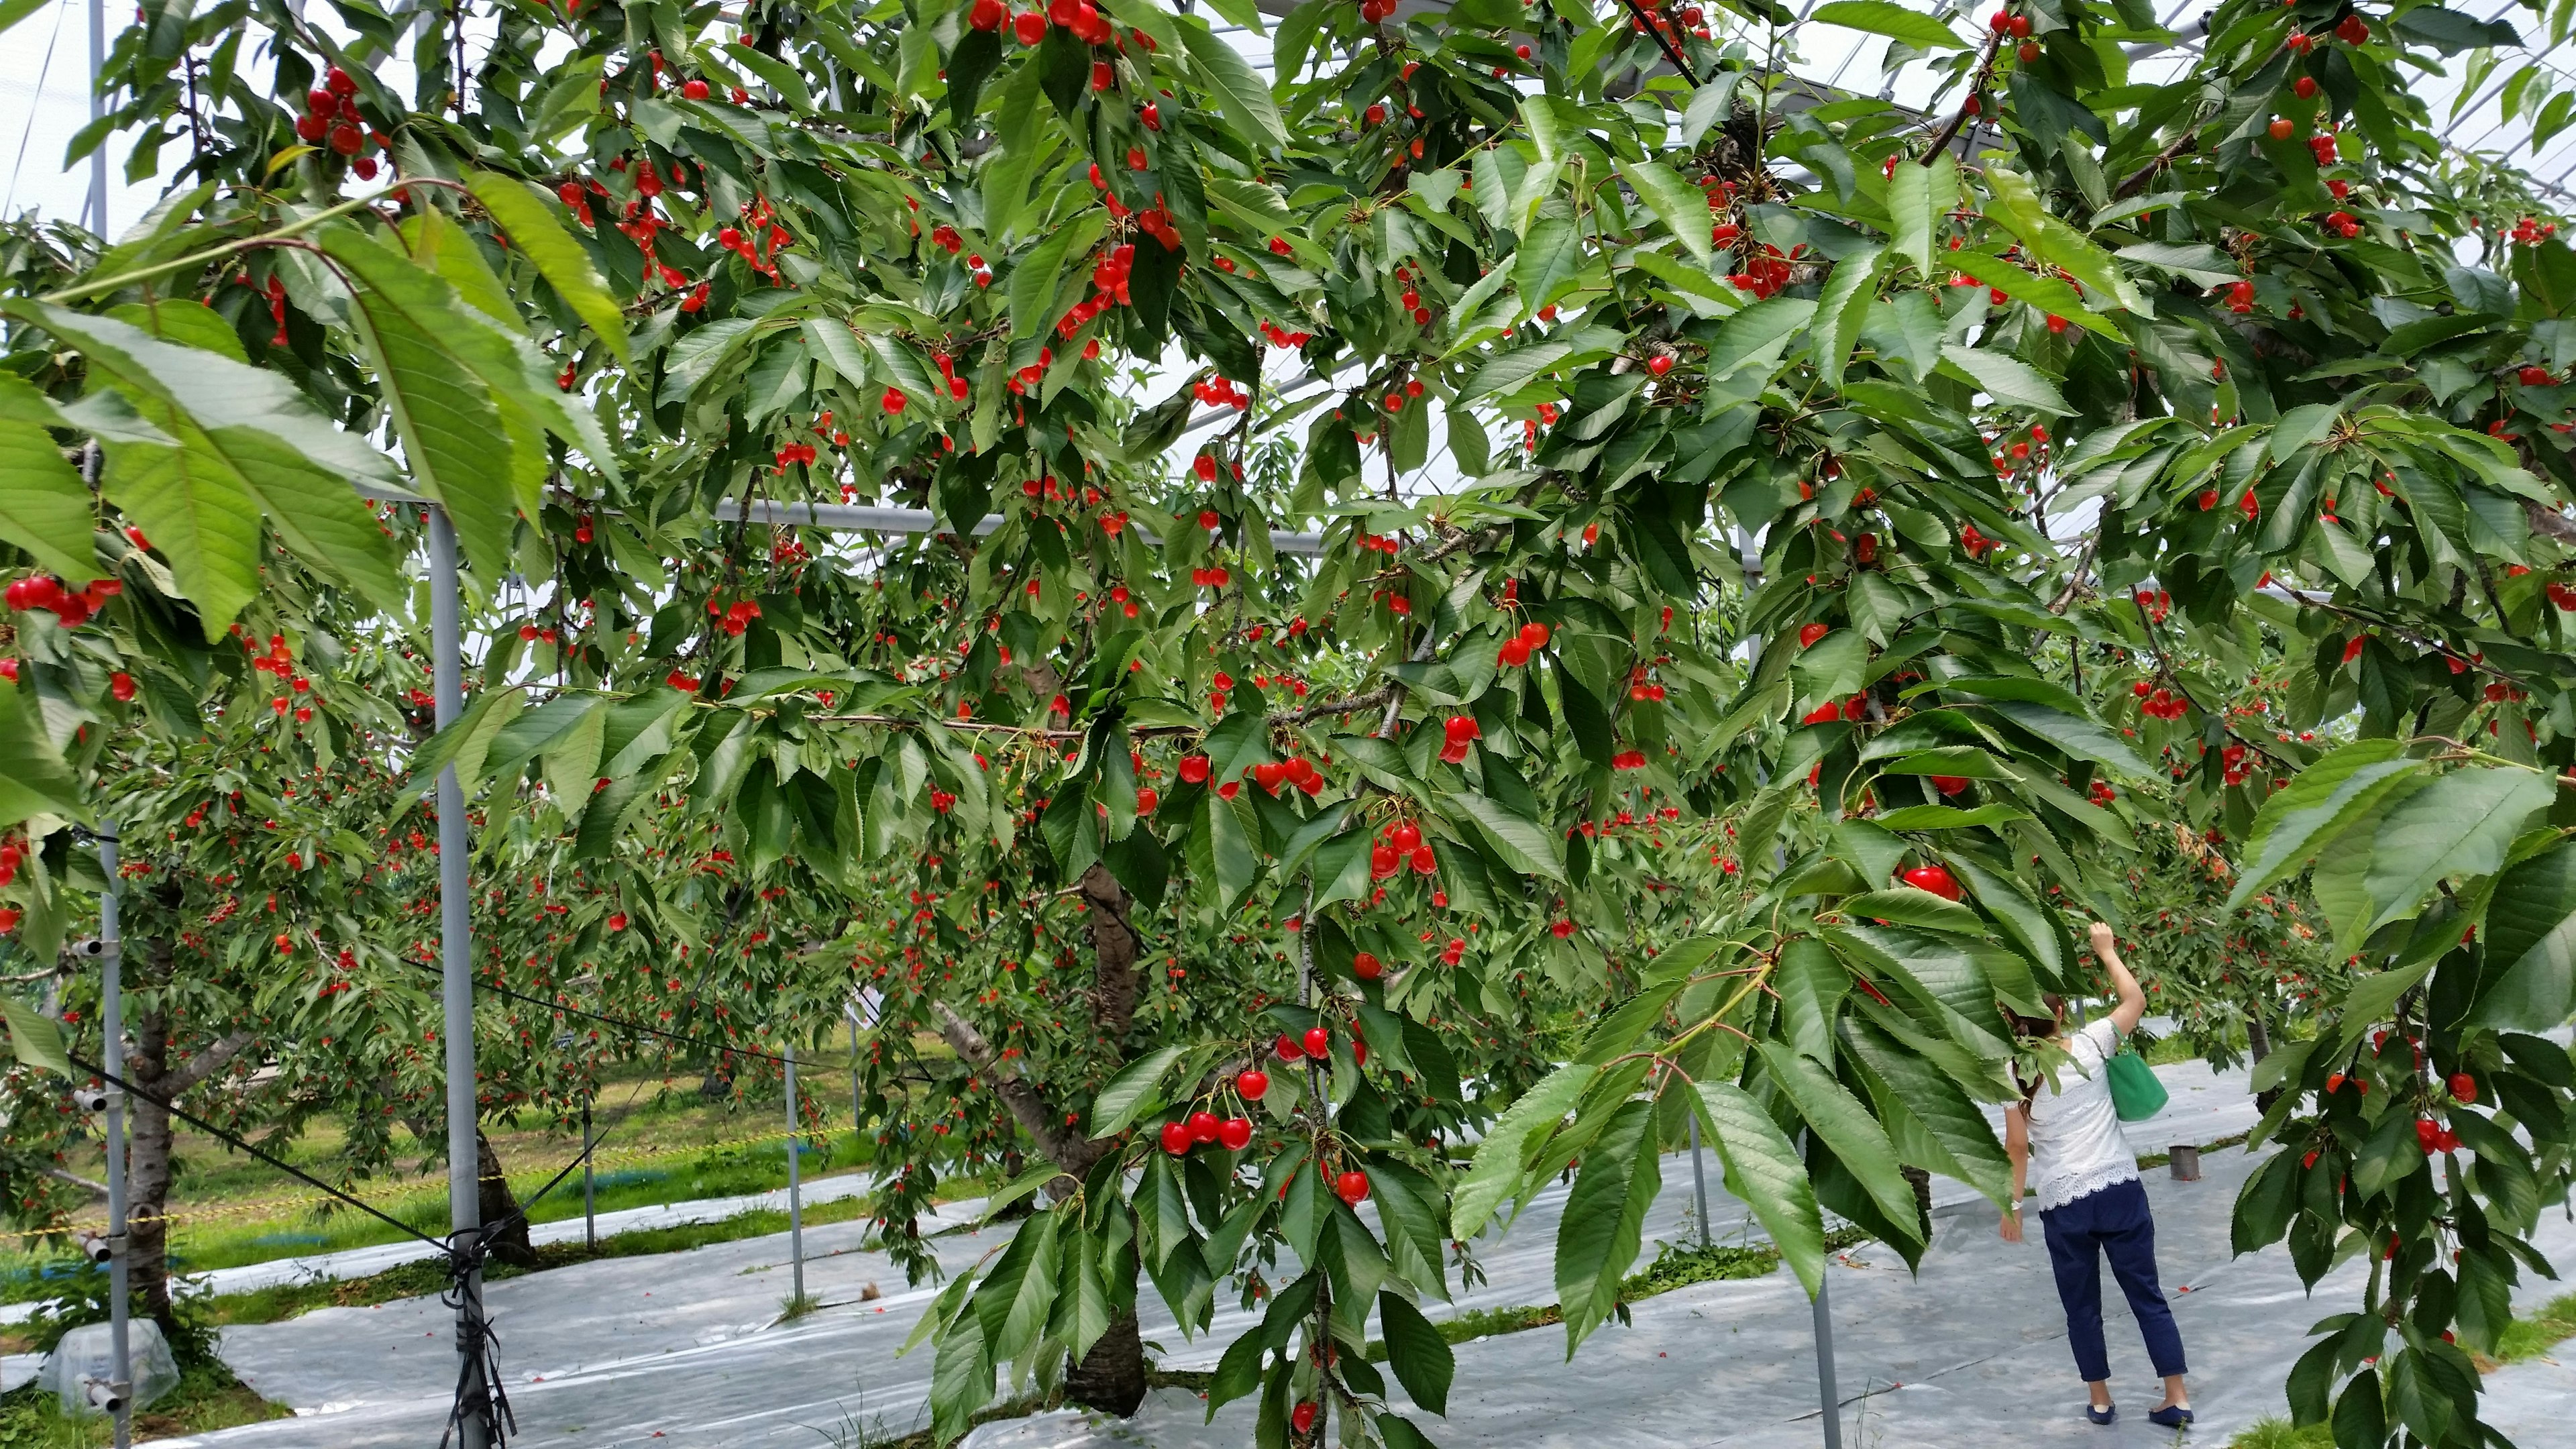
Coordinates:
(208, 1398)
(2278, 1434)
(203, 1244)
(2536, 1334)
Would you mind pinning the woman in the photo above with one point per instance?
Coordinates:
(2066, 1135)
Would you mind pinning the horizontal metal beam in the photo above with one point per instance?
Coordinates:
(870, 518)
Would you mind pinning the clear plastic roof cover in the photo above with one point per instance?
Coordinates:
(44, 69)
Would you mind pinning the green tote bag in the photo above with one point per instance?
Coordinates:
(2136, 1094)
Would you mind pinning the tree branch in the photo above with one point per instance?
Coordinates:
(194, 1071)
(1046, 1127)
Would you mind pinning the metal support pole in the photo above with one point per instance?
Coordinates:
(858, 1105)
(111, 1022)
(456, 952)
(1699, 1178)
(98, 159)
(795, 1183)
(1825, 1368)
(589, 1203)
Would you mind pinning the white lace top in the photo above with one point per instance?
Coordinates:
(2076, 1146)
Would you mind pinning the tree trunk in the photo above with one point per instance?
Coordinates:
(2258, 1039)
(498, 1204)
(147, 1163)
(1112, 1376)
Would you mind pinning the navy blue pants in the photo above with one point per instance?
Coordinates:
(2112, 1222)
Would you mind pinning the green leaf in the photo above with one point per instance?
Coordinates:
(1756, 331)
(1421, 1358)
(2081, 738)
(44, 506)
(1496, 1170)
(13, 11)
(37, 1039)
(527, 218)
(1240, 93)
(1844, 1125)
(1908, 906)
(1968, 1149)
(1520, 843)
(1682, 207)
(2317, 805)
(1840, 314)
(2530, 980)
(1547, 260)
(1913, 210)
(195, 510)
(1812, 984)
(1604, 1220)
(2011, 382)
(33, 778)
(210, 387)
(1881, 17)
(2023, 918)
(1125, 1096)
(1012, 1305)
(2049, 294)
(1765, 1171)
(2459, 825)
(453, 435)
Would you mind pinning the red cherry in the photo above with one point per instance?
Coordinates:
(2282, 128)
(1176, 1138)
(1194, 769)
(1808, 634)
(1935, 879)
(1949, 784)
(1406, 837)
(1318, 1042)
(1302, 1418)
(2305, 86)
(694, 90)
(1534, 634)
(2464, 1087)
(1235, 1133)
(1425, 861)
(1659, 364)
(1286, 1048)
(1351, 1187)
(1030, 28)
(1203, 1126)
(1367, 967)
(1254, 1084)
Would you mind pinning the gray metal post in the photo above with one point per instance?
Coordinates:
(456, 952)
(795, 1184)
(111, 1022)
(1699, 1179)
(1825, 1368)
(589, 1204)
(98, 158)
(858, 1104)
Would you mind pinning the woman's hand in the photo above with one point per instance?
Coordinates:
(2011, 1229)
(2106, 944)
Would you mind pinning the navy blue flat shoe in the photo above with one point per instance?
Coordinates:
(2171, 1416)
(2102, 1415)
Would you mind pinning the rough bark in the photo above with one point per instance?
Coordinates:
(498, 1204)
(2258, 1040)
(1112, 1376)
(1115, 982)
(151, 1133)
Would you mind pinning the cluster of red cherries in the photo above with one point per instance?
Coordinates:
(331, 117)
(1398, 845)
(2159, 703)
(72, 608)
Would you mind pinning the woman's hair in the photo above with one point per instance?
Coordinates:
(2035, 1028)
